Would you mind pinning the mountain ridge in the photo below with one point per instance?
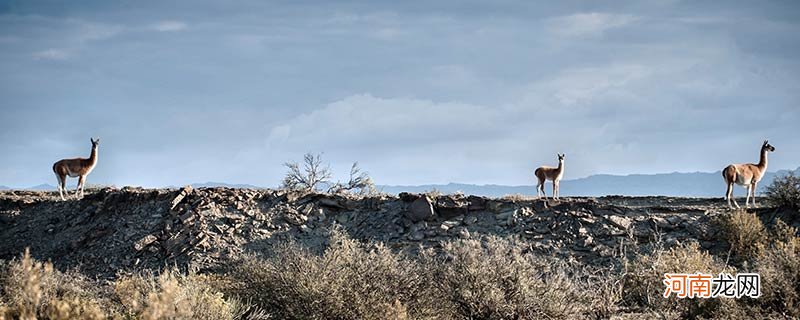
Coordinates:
(687, 184)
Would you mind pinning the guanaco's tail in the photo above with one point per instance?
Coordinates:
(729, 173)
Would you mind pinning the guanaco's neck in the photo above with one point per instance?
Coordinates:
(93, 156)
(560, 166)
(762, 162)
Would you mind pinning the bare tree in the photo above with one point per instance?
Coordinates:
(359, 180)
(309, 177)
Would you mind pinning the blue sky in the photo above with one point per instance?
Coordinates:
(417, 92)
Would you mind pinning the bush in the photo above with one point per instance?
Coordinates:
(468, 279)
(517, 197)
(784, 192)
(309, 177)
(175, 296)
(493, 279)
(745, 234)
(313, 175)
(349, 280)
(779, 267)
(33, 289)
(644, 286)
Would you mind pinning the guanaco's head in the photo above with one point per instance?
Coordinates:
(768, 147)
(560, 157)
(95, 142)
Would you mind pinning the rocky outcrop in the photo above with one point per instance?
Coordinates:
(132, 228)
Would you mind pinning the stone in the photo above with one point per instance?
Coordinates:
(296, 219)
(674, 220)
(542, 229)
(470, 220)
(622, 222)
(416, 236)
(503, 216)
(476, 203)
(331, 203)
(185, 191)
(419, 226)
(451, 223)
(463, 233)
(421, 209)
(187, 217)
(144, 242)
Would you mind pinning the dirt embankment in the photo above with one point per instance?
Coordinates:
(130, 229)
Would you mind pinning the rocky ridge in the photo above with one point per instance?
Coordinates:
(112, 230)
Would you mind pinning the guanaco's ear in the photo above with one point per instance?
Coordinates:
(766, 142)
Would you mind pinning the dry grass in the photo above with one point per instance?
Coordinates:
(34, 290)
(517, 197)
(171, 295)
(469, 279)
(745, 234)
(784, 192)
(349, 280)
(779, 267)
(486, 278)
(493, 279)
(645, 274)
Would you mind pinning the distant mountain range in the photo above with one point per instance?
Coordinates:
(692, 184)
(211, 184)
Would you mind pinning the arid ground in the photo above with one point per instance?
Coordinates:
(281, 254)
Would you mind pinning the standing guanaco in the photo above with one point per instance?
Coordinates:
(545, 173)
(77, 167)
(747, 175)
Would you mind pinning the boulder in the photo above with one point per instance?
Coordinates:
(421, 209)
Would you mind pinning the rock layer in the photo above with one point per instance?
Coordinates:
(112, 230)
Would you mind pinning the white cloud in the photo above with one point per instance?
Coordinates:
(51, 54)
(169, 26)
(588, 24)
(367, 120)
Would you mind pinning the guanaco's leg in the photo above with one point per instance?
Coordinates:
(558, 189)
(60, 186)
(749, 192)
(78, 187)
(734, 198)
(728, 192)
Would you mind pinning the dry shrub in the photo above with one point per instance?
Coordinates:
(433, 193)
(493, 279)
(516, 197)
(779, 267)
(33, 289)
(644, 286)
(171, 295)
(349, 280)
(784, 192)
(745, 234)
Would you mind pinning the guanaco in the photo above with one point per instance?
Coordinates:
(545, 173)
(747, 175)
(77, 167)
